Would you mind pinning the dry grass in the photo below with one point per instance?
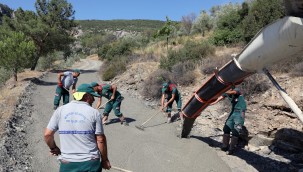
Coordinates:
(297, 70)
(222, 56)
(159, 49)
(93, 57)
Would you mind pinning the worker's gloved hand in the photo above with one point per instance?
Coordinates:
(60, 84)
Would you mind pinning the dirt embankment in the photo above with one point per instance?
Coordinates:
(16, 106)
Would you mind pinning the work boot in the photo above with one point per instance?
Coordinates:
(232, 146)
(105, 120)
(225, 142)
(169, 120)
(123, 121)
(181, 116)
(55, 107)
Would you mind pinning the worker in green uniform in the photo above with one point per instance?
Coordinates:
(235, 120)
(65, 81)
(171, 94)
(110, 92)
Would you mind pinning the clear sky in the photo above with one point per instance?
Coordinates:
(130, 9)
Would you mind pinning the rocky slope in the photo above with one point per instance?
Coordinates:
(273, 130)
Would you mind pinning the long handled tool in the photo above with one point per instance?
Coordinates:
(141, 127)
(105, 103)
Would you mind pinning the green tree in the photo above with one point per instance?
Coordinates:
(261, 13)
(51, 28)
(16, 52)
(202, 24)
(228, 24)
(166, 30)
(5, 11)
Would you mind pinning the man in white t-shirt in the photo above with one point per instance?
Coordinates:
(83, 145)
(65, 81)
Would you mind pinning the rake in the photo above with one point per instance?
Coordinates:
(141, 127)
(104, 104)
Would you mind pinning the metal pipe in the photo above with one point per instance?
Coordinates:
(284, 95)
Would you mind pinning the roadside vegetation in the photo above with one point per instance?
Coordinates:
(32, 37)
(189, 46)
(183, 49)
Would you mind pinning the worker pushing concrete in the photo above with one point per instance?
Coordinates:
(114, 101)
(171, 94)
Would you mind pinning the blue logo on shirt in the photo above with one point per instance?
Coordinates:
(74, 117)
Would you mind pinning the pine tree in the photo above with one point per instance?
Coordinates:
(51, 28)
(16, 52)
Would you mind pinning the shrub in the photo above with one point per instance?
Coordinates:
(255, 84)
(297, 70)
(45, 63)
(286, 66)
(110, 69)
(186, 79)
(153, 84)
(192, 51)
(183, 73)
(103, 51)
(4, 76)
(108, 73)
(64, 64)
(172, 58)
(209, 64)
(120, 48)
(225, 37)
(197, 50)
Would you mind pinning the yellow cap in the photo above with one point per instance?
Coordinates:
(78, 95)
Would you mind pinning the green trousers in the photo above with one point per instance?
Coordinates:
(115, 105)
(61, 92)
(170, 105)
(234, 124)
(86, 166)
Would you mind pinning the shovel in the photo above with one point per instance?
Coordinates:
(141, 127)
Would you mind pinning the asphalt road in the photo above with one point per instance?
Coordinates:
(156, 149)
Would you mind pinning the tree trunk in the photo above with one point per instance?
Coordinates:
(35, 62)
(167, 43)
(15, 75)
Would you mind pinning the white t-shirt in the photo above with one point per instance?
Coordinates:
(78, 123)
(68, 79)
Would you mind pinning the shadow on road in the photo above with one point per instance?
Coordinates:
(40, 82)
(260, 163)
(117, 120)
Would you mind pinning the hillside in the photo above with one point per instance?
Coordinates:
(117, 25)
